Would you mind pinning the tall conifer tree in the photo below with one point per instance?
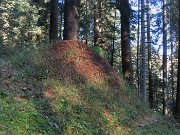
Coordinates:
(177, 111)
(124, 8)
(143, 89)
(165, 95)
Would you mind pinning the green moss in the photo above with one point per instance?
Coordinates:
(156, 129)
(22, 117)
(98, 50)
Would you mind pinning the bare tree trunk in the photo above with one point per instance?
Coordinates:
(86, 34)
(143, 89)
(22, 38)
(97, 21)
(53, 35)
(71, 20)
(138, 51)
(29, 38)
(125, 11)
(165, 95)
(172, 68)
(177, 110)
(113, 40)
(61, 20)
(151, 92)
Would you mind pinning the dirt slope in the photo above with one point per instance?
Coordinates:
(76, 60)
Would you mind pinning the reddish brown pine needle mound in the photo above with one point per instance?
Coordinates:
(75, 62)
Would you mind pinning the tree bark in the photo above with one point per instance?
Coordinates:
(125, 11)
(165, 93)
(97, 21)
(172, 67)
(113, 42)
(86, 34)
(53, 34)
(61, 20)
(143, 89)
(138, 52)
(71, 19)
(151, 92)
(177, 109)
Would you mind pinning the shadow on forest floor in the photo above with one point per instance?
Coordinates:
(24, 102)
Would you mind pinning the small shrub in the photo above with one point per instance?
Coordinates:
(98, 50)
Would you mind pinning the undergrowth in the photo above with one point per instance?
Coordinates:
(35, 102)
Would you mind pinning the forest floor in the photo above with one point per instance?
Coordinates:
(69, 89)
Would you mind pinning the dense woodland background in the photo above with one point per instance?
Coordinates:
(139, 38)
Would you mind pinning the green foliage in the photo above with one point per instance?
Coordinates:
(156, 129)
(174, 11)
(98, 50)
(6, 50)
(108, 23)
(19, 60)
(21, 117)
(18, 25)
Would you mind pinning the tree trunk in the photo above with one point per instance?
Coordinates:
(61, 20)
(143, 89)
(53, 35)
(125, 40)
(151, 92)
(86, 34)
(113, 42)
(138, 52)
(165, 95)
(22, 38)
(71, 19)
(97, 21)
(172, 68)
(177, 110)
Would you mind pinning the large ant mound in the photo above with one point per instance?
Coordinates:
(75, 62)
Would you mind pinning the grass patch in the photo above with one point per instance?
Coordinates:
(20, 116)
(156, 129)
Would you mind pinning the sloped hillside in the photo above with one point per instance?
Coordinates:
(67, 89)
(74, 60)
